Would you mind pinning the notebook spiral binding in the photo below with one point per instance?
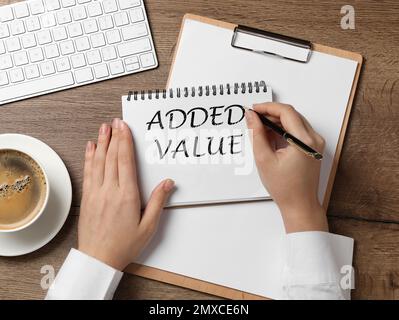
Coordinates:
(257, 86)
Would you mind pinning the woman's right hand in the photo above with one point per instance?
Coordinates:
(290, 176)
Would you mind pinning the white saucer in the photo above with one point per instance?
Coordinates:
(53, 218)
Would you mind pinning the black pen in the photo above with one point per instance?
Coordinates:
(289, 137)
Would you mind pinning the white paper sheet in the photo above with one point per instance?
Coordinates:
(239, 245)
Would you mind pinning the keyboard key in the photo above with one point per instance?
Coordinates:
(28, 40)
(93, 57)
(97, 40)
(5, 61)
(3, 79)
(84, 75)
(90, 26)
(79, 13)
(43, 37)
(121, 19)
(105, 22)
(94, 9)
(21, 10)
(116, 67)
(51, 51)
(4, 32)
(36, 6)
(48, 20)
(75, 30)
(13, 44)
(126, 4)
(6, 14)
(32, 24)
(47, 68)
(101, 71)
(63, 64)
(110, 6)
(147, 60)
(37, 86)
(108, 53)
(59, 34)
(136, 15)
(52, 5)
(68, 3)
(78, 60)
(17, 27)
(134, 47)
(32, 72)
(20, 58)
(134, 31)
(82, 44)
(131, 60)
(132, 67)
(16, 75)
(2, 47)
(67, 47)
(113, 36)
(36, 55)
(64, 16)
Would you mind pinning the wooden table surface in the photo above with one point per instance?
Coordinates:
(365, 200)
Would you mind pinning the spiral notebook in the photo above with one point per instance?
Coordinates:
(198, 137)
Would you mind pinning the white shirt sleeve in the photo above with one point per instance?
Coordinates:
(318, 265)
(82, 277)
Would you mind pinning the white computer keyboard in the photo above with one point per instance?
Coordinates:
(52, 45)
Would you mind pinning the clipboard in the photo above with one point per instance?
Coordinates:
(298, 50)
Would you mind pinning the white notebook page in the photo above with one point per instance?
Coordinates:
(239, 245)
(201, 142)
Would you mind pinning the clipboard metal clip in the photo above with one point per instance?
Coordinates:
(267, 42)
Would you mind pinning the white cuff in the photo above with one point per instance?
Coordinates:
(82, 277)
(317, 259)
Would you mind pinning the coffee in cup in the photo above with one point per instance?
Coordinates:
(23, 190)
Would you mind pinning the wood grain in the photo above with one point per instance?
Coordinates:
(365, 198)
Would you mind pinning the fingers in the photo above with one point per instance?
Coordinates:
(114, 160)
(101, 153)
(126, 159)
(111, 163)
(88, 167)
(152, 212)
(260, 141)
(306, 123)
(292, 121)
(289, 118)
(319, 140)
